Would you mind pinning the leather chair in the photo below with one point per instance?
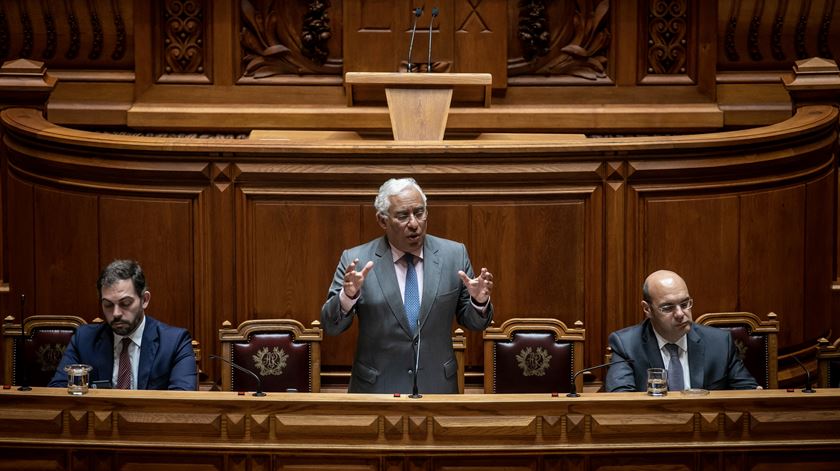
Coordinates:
(527, 355)
(45, 337)
(282, 352)
(828, 363)
(755, 339)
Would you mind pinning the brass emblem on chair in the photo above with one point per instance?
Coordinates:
(49, 355)
(271, 362)
(533, 362)
(742, 349)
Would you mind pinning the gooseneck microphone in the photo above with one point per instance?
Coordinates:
(24, 363)
(417, 12)
(259, 392)
(435, 12)
(807, 388)
(573, 389)
(414, 393)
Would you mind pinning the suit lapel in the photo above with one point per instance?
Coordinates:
(431, 278)
(103, 353)
(696, 358)
(383, 267)
(651, 347)
(148, 351)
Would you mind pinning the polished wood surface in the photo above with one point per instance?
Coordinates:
(737, 430)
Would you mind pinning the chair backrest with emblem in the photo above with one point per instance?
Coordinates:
(828, 361)
(755, 339)
(282, 352)
(527, 355)
(38, 351)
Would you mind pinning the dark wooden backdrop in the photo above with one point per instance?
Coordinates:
(233, 229)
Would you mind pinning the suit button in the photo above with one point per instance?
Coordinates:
(411, 372)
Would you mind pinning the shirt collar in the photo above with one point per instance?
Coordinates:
(682, 342)
(136, 336)
(397, 254)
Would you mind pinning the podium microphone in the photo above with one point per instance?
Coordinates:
(259, 392)
(417, 12)
(807, 388)
(414, 393)
(435, 12)
(573, 389)
(24, 363)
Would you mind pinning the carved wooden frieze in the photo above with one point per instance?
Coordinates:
(772, 34)
(286, 38)
(668, 35)
(91, 34)
(184, 42)
(564, 38)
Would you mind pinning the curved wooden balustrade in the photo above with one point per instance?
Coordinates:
(236, 229)
(116, 429)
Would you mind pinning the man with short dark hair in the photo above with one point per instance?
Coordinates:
(695, 356)
(130, 349)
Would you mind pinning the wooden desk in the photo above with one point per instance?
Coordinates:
(109, 429)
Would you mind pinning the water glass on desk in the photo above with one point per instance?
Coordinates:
(78, 376)
(657, 382)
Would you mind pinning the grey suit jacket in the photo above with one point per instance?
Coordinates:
(385, 351)
(713, 360)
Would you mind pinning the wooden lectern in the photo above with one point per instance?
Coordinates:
(418, 103)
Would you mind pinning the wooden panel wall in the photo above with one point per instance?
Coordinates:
(255, 230)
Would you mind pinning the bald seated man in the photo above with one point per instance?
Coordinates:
(695, 356)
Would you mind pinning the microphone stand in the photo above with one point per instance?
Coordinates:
(435, 12)
(573, 390)
(417, 12)
(807, 388)
(414, 393)
(259, 392)
(24, 364)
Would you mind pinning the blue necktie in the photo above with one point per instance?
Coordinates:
(412, 294)
(675, 371)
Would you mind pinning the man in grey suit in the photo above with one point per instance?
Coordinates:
(406, 288)
(695, 356)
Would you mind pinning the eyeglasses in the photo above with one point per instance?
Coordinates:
(419, 214)
(672, 308)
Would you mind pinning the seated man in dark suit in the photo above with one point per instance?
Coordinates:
(695, 356)
(130, 350)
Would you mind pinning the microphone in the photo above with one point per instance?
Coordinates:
(417, 12)
(24, 364)
(807, 388)
(258, 392)
(573, 389)
(435, 12)
(414, 394)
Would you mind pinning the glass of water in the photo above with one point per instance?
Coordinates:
(657, 382)
(78, 376)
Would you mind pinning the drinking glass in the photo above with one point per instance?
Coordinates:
(78, 376)
(657, 382)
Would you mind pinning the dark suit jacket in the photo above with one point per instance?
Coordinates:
(167, 360)
(385, 351)
(713, 360)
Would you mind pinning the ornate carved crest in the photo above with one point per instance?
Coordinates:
(742, 349)
(271, 362)
(533, 362)
(48, 356)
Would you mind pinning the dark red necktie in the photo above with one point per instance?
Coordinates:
(124, 376)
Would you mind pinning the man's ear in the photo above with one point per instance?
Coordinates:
(646, 309)
(146, 297)
(382, 220)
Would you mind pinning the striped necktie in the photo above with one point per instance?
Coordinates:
(124, 375)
